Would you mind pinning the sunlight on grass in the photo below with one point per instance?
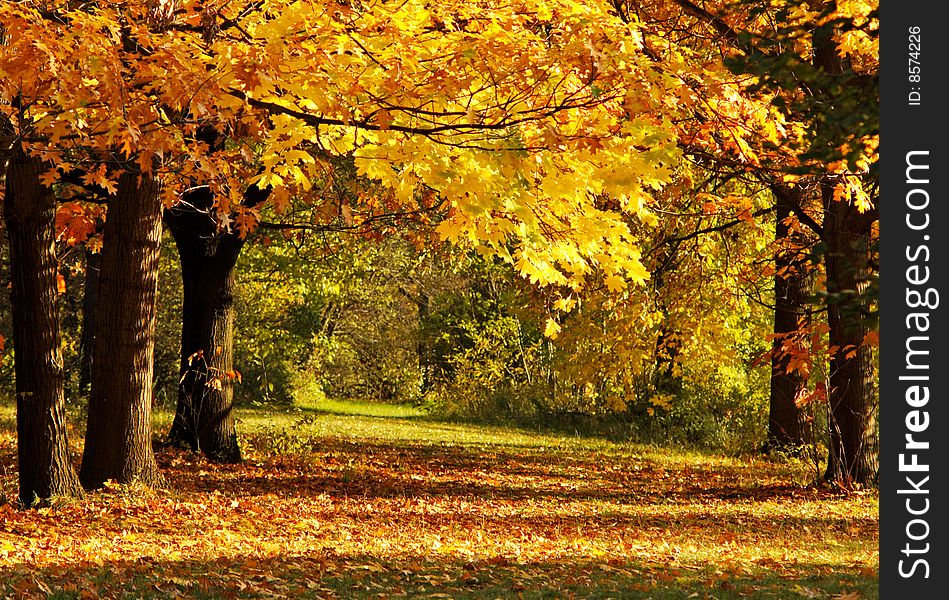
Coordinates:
(412, 429)
(359, 408)
(353, 419)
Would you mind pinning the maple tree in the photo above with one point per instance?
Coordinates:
(205, 390)
(208, 257)
(789, 426)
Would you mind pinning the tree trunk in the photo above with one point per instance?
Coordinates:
(788, 427)
(42, 447)
(422, 343)
(118, 432)
(667, 381)
(204, 418)
(90, 302)
(853, 450)
(852, 457)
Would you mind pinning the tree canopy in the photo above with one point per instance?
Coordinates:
(518, 116)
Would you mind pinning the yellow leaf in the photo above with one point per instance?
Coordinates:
(661, 401)
(552, 329)
(565, 304)
(449, 229)
(544, 13)
(615, 283)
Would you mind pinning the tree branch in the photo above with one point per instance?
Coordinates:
(788, 199)
(716, 228)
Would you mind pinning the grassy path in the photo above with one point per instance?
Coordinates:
(341, 500)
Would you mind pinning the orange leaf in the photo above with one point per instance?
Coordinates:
(49, 177)
(804, 397)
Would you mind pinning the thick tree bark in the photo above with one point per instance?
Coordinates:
(42, 447)
(788, 427)
(118, 432)
(853, 455)
(204, 418)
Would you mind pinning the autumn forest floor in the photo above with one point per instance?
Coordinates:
(349, 500)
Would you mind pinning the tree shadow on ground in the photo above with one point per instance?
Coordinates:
(380, 469)
(469, 484)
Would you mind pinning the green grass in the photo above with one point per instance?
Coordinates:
(354, 419)
(360, 408)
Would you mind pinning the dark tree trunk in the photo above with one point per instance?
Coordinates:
(422, 344)
(118, 432)
(90, 302)
(422, 351)
(789, 429)
(853, 455)
(204, 418)
(42, 447)
(667, 380)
